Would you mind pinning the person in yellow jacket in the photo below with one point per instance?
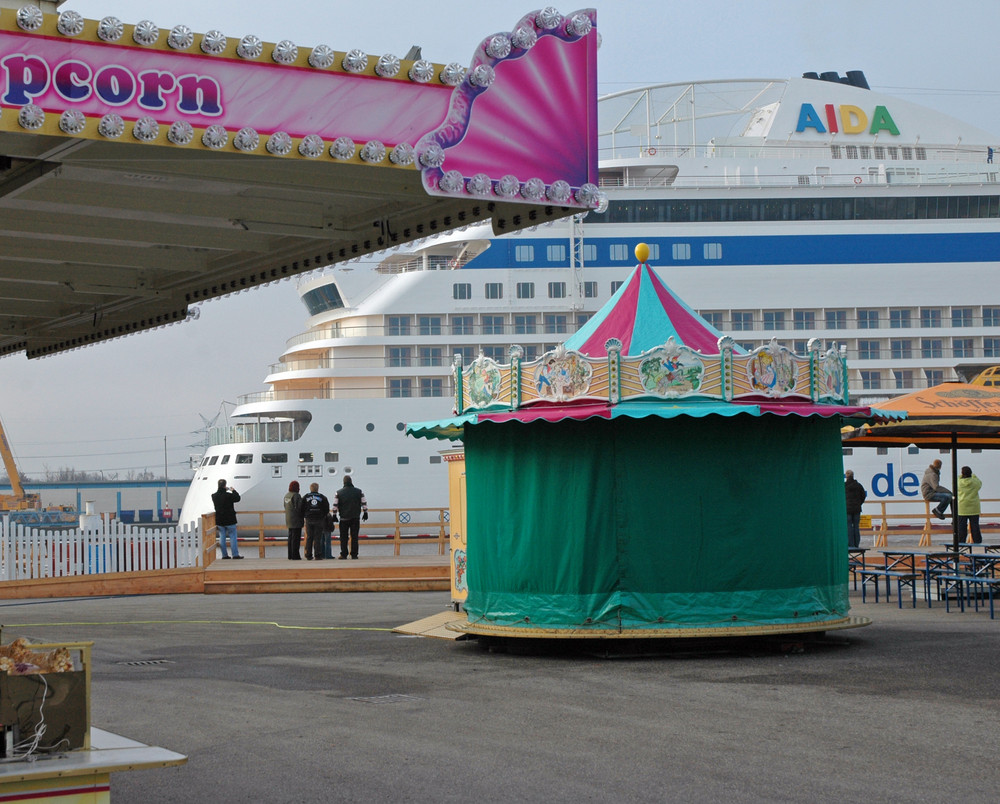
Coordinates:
(969, 506)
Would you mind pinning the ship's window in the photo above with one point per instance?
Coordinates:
(331, 457)
(871, 380)
(804, 319)
(893, 152)
(204, 461)
(371, 461)
(881, 450)
(430, 325)
(432, 386)
(715, 319)
(225, 460)
(557, 290)
(846, 451)
(530, 353)
(961, 347)
(852, 151)
(274, 457)
(922, 156)
(524, 253)
(681, 251)
(934, 377)
(836, 319)
(555, 323)
(492, 325)
(742, 320)
(582, 318)
(899, 319)
(913, 450)
(774, 319)
(402, 459)
(868, 350)
(654, 251)
(461, 324)
(462, 290)
(835, 152)
(800, 347)
(619, 252)
(310, 469)
(930, 318)
(331, 470)
(305, 457)
(435, 459)
(865, 151)
(525, 290)
(803, 180)
(398, 325)
(399, 356)
(556, 253)
(494, 290)
(497, 353)
(244, 458)
(901, 349)
(369, 427)
(907, 152)
(525, 324)
(880, 152)
(337, 428)
(466, 354)
(867, 319)
(590, 290)
(713, 251)
(614, 287)
(323, 298)
(589, 252)
(903, 378)
(212, 460)
(991, 347)
(961, 316)
(991, 316)
(430, 356)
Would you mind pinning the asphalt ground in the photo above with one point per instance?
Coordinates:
(310, 697)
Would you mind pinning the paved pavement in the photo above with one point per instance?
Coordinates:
(309, 698)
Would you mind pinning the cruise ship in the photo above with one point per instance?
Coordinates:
(785, 209)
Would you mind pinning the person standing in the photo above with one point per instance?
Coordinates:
(932, 490)
(293, 520)
(315, 507)
(350, 505)
(225, 500)
(855, 494)
(969, 506)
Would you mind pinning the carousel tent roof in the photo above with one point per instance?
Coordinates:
(642, 315)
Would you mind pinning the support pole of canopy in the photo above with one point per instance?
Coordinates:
(954, 491)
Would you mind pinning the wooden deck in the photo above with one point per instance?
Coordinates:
(407, 573)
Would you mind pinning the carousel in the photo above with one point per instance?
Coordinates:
(648, 478)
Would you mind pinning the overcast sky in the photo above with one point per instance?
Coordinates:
(110, 406)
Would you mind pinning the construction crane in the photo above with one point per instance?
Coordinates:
(18, 501)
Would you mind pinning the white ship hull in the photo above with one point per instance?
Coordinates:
(777, 227)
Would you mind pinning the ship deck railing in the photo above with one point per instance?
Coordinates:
(395, 527)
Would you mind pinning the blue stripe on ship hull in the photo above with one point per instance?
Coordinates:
(854, 249)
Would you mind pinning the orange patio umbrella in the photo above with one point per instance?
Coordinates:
(952, 415)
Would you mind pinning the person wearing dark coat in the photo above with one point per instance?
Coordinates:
(351, 507)
(315, 507)
(293, 520)
(225, 500)
(855, 494)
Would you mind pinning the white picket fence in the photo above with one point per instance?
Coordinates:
(27, 553)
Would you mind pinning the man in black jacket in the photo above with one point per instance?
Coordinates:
(315, 507)
(351, 506)
(855, 494)
(225, 500)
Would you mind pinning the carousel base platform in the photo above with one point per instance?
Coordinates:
(461, 624)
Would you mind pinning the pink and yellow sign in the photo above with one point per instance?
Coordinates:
(518, 124)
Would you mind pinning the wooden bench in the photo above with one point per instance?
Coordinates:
(901, 578)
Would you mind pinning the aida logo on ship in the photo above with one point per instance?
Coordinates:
(845, 118)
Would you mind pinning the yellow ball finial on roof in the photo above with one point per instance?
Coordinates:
(642, 252)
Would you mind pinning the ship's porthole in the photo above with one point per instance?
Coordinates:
(337, 428)
(347, 470)
(400, 426)
(332, 470)
(369, 427)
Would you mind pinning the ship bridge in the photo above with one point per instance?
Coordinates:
(145, 170)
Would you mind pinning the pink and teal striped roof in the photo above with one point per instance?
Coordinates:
(643, 314)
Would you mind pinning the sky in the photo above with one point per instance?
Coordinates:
(136, 404)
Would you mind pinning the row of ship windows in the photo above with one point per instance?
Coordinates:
(731, 321)
(892, 152)
(900, 379)
(713, 210)
(306, 467)
(910, 451)
(617, 252)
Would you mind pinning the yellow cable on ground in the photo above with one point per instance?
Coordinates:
(204, 622)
